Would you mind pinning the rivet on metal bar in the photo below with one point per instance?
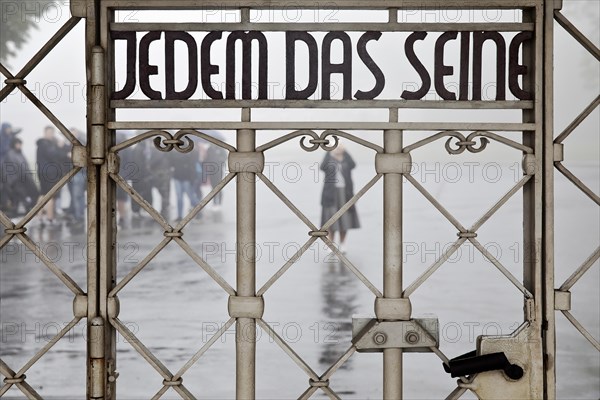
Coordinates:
(173, 234)
(392, 308)
(177, 382)
(80, 306)
(393, 163)
(529, 164)
(15, 81)
(467, 234)
(246, 306)
(318, 233)
(559, 152)
(562, 300)
(246, 161)
(15, 231)
(79, 156)
(114, 163)
(15, 380)
(113, 306)
(318, 383)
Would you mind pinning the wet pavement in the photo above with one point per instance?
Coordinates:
(174, 307)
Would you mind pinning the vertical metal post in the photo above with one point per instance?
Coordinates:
(533, 57)
(246, 266)
(392, 256)
(548, 201)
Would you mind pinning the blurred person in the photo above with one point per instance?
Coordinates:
(7, 134)
(185, 175)
(77, 187)
(53, 163)
(161, 179)
(214, 168)
(17, 176)
(141, 174)
(337, 190)
(127, 166)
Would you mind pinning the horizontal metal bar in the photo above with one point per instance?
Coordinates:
(311, 4)
(346, 125)
(581, 270)
(327, 104)
(321, 27)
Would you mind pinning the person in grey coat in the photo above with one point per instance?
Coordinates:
(337, 190)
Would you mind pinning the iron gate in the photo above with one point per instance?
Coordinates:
(393, 330)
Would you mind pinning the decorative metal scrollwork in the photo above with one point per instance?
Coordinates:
(167, 142)
(469, 143)
(321, 141)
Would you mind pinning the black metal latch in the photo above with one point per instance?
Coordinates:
(470, 363)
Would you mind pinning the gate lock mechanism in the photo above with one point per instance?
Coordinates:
(470, 363)
(503, 366)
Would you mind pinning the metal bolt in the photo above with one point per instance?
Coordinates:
(412, 337)
(379, 338)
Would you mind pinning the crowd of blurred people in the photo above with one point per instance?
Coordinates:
(148, 170)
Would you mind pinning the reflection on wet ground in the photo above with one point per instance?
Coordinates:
(174, 307)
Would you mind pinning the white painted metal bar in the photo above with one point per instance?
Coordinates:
(39, 56)
(581, 329)
(392, 257)
(203, 349)
(578, 120)
(577, 182)
(576, 33)
(287, 349)
(48, 346)
(442, 259)
(141, 265)
(205, 266)
(549, 337)
(245, 329)
(583, 268)
(501, 268)
(352, 267)
(342, 125)
(366, 104)
(295, 257)
(435, 203)
(309, 4)
(60, 274)
(320, 27)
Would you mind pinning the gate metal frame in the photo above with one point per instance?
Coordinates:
(99, 305)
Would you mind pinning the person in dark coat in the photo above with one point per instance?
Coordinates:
(214, 168)
(17, 175)
(185, 175)
(7, 134)
(53, 162)
(141, 173)
(337, 190)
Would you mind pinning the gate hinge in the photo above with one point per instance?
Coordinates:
(530, 310)
(414, 335)
(98, 106)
